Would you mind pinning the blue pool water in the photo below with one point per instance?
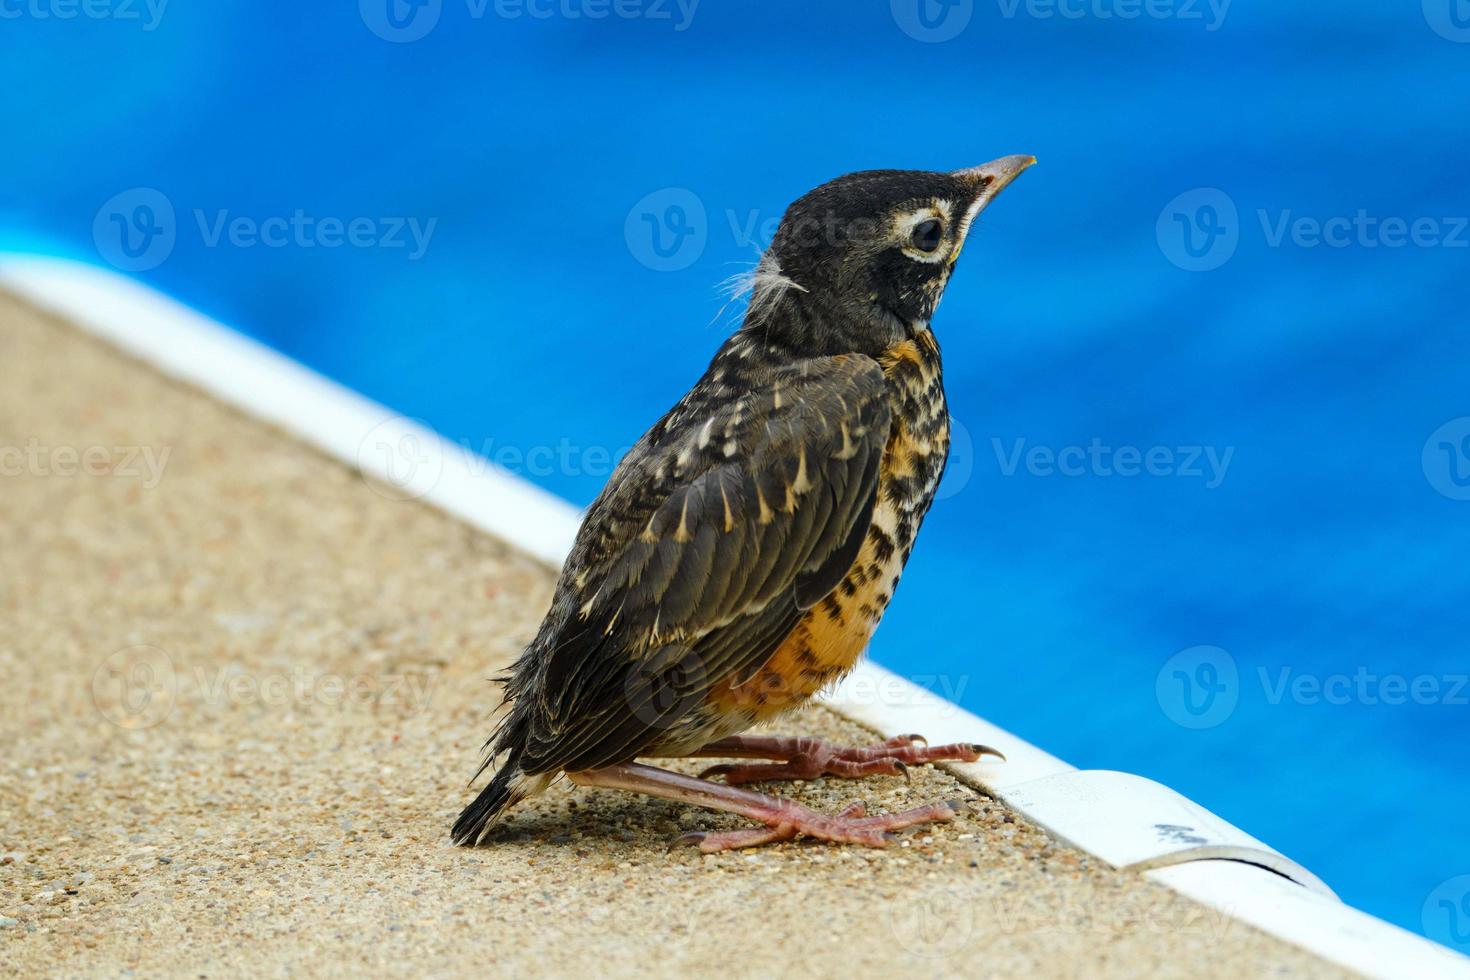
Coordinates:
(1207, 520)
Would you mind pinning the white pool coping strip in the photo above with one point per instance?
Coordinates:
(1126, 820)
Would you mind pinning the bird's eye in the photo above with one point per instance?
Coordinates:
(927, 235)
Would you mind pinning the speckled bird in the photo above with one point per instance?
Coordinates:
(744, 550)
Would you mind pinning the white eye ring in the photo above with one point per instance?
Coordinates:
(908, 225)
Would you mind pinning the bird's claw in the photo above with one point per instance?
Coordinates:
(982, 750)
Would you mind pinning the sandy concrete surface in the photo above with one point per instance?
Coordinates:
(244, 690)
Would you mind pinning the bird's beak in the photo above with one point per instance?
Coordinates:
(988, 179)
(993, 177)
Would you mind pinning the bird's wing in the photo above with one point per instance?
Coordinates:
(759, 508)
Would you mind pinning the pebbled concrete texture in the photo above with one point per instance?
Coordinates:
(244, 690)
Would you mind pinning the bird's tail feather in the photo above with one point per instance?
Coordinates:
(508, 788)
(493, 799)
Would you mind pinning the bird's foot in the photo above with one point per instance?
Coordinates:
(851, 826)
(783, 819)
(810, 758)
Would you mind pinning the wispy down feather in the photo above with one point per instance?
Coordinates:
(765, 285)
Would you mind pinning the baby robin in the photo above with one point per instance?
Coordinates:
(744, 550)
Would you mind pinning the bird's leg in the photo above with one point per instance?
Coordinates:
(809, 758)
(784, 819)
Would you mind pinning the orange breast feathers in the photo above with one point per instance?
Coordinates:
(828, 641)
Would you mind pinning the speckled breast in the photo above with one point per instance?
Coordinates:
(830, 639)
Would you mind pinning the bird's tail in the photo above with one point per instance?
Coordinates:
(508, 788)
(487, 806)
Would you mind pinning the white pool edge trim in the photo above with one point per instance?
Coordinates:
(1128, 821)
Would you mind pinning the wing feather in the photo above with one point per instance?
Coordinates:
(702, 554)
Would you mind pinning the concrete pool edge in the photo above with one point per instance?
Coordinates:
(1067, 802)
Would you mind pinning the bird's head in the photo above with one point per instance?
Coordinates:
(866, 257)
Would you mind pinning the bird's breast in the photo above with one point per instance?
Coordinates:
(828, 641)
